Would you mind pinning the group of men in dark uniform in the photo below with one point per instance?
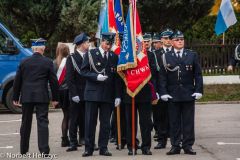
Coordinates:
(95, 88)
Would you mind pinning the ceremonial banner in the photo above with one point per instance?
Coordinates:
(110, 25)
(118, 11)
(101, 19)
(133, 64)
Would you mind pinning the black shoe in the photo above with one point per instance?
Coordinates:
(105, 153)
(96, 147)
(146, 152)
(65, 142)
(130, 152)
(160, 146)
(189, 151)
(70, 149)
(87, 154)
(174, 150)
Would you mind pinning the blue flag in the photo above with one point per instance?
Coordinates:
(118, 12)
(102, 17)
(226, 17)
(126, 58)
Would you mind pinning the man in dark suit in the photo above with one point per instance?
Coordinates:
(181, 83)
(143, 105)
(99, 69)
(161, 110)
(31, 90)
(76, 84)
(153, 63)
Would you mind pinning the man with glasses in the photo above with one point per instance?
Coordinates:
(162, 108)
(181, 83)
(99, 69)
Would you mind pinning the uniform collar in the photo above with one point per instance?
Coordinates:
(165, 48)
(80, 52)
(181, 52)
(102, 52)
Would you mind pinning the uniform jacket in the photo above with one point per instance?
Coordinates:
(76, 82)
(97, 91)
(32, 78)
(189, 80)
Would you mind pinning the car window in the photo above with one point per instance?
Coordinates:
(3, 42)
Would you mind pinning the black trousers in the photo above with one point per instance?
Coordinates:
(163, 122)
(181, 117)
(91, 114)
(77, 118)
(42, 126)
(144, 111)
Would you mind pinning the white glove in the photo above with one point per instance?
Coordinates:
(117, 102)
(165, 97)
(76, 99)
(157, 96)
(101, 77)
(197, 95)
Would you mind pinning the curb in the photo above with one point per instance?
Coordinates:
(218, 102)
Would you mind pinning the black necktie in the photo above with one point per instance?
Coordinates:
(105, 56)
(178, 55)
(167, 50)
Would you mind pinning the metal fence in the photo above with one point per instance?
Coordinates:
(214, 56)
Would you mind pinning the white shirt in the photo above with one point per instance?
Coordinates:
(102, 52)
(181, 52)
(165, 48)
(80, 52)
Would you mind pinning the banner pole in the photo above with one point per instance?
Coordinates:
(133, 126)
(223, 42)
(119, 127)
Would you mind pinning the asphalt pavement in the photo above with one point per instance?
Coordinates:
(217, 137)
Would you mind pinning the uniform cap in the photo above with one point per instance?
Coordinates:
(147, 37)
(166, 33)
(38, 42)
(79, 39)
(177, 34)
(108, 36)
(156, 37)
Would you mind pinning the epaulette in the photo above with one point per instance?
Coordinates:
(189, 50)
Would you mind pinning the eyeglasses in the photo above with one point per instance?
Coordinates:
(178, 39)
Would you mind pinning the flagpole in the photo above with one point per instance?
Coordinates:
(133, 126)
(133, 99)
(119, 127)
(223, 42)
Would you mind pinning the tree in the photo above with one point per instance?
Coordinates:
(156, 15)
(39, 18)
(78, 16)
